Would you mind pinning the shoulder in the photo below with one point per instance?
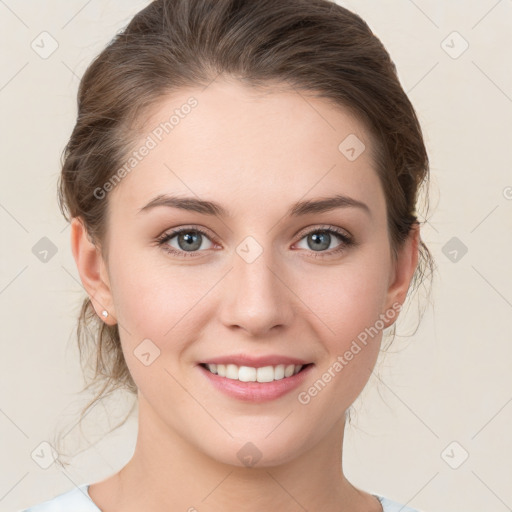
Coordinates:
(77, 500)
(393, 506)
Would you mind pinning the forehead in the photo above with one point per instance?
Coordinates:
(237, 144)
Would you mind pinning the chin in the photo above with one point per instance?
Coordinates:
(256, 452)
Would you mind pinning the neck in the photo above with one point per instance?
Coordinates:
(168, 473)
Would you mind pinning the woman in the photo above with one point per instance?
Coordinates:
(219, 145)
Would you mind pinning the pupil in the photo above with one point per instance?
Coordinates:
(191, 239)
(318, 241)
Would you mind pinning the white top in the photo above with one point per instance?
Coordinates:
(78, 500)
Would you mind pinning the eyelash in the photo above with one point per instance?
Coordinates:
(345, 239)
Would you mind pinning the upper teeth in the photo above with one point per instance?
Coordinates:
(250, 374)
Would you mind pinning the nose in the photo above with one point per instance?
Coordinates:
(256, 293)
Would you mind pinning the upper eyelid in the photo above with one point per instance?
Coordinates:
(324, 227)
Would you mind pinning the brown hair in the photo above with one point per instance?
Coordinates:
(309, 45)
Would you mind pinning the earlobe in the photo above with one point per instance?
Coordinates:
(405, 266)
(92, 270)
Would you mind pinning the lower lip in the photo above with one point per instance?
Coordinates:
(256, 391)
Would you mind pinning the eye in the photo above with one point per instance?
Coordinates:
(189, 240)
(320, 238)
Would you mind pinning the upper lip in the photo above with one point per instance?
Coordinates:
(255, 362)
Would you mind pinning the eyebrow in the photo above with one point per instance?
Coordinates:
(300, 208)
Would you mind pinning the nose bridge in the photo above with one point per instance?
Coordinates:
(257, 298)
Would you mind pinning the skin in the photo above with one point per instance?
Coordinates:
(255, 154)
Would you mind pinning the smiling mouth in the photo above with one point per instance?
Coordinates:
(251, 374)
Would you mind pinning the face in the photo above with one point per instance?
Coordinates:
(255, 280)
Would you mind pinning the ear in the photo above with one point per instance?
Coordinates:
(403, 271)
(92, 270)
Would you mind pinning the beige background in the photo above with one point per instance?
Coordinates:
(449, 382)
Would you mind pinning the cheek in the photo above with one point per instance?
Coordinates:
(150, 292)
(158, 306)
(346, 299)
(157, 319)
(347, 306)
